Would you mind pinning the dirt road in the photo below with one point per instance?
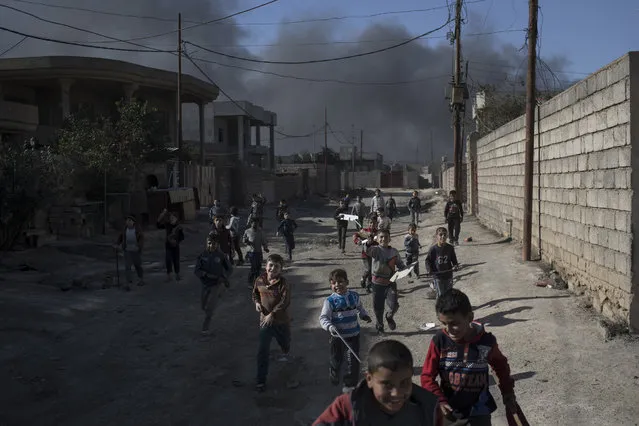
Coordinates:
(104, 357)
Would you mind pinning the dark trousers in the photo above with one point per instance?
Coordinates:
(412, 258)
(209, 300)
(339, 351)
(237, 249)
(172, 259)
(133, 258)
(256, 265)
(384, 294)
(341, 236)
(289, 243)
(454, 226)
(470, 421)
(282, 334)
(366, 271)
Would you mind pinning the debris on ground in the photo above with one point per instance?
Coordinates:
(468, 239)
(552, 279)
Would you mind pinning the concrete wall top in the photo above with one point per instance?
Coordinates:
(245, 109)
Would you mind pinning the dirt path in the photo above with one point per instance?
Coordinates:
(106, 357)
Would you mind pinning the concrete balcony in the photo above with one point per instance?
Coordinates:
(18, 117)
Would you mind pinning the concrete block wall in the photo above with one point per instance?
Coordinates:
(448, 181)
(584, 204)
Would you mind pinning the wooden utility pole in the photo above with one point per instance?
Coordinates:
(326, 150)
(458, 102)
(361, 145)
(353, 156)
(432, 159)
(178, 124)
(530, 129)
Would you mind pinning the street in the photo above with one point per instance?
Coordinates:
(104, 356)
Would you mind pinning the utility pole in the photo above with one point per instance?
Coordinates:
(432, 160)
(529, 155)
(361, 145)
(178, 124)
(352, 156)
(458, 102)
(326, 150)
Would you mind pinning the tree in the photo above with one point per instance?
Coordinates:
(119, 146)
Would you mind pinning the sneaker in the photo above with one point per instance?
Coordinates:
(391, 322)
(333, 375)
(140, 283)
(260, 387)
(363, 283)
(379, 328)
(284, 358)
(178, 277)
(427, 326)
(168, 278)
(347, 389)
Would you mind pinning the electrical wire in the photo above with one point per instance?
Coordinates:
(316, 61)
(9, 49)
(325, 80)
(72, 43)
(49, 21)
(186, 55)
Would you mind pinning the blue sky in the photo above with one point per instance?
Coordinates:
(588, 33)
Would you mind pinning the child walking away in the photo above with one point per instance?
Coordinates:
(441, 261)
(287, 228)
(234, 229)
(383, 221)
(368, 234)
(131, 241)
(212, 268)
(414, 208)
(342, 225)
(255, 240)
(412, 246)
(272, 297)
(387, 396)
(460, 355)
(174, 236)
(340, 317)
(454, 214)
(281, 209)
(385, 261)
(391, 207)
(358, 210)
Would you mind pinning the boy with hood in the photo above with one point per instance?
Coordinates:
(385, 261)
(131, 241)
(387, 396)
(212, 268)
(454, 214)
(174, 236)
(287, 227)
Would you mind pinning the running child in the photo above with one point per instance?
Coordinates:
(461, 354)
(224, 238)
(391, 207)
(414, 208)
(256, 241)
(281, 209)
(287, 227)
(234, 229)
(387, 396)
(441, 261)
(340, 315)
(342, 225)
(368, 234)
(174, 236)
(272, 297)
(212, 268)
(454, 214)
(412, 246)
(385, 261)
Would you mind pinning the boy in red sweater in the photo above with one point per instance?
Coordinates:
(460, 355)
(387, 396)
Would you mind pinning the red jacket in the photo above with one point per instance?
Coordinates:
(347, 409)
(463, 372)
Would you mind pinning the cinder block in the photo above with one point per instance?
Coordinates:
(611, 157)
(612, 199)
(597, 178)
(609, 178)
(622, 221)
(624, 157)
(613, 240)
(620, 180)
(623, 113)
(622, 263)
(582, 162)
(591, 200)
(625, 200)
(619, 91)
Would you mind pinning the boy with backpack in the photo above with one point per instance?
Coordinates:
(454, 214)
(460, 355)
(339, 317)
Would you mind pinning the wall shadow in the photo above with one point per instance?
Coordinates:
(500, 319)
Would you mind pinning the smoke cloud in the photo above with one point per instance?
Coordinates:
(397, 119)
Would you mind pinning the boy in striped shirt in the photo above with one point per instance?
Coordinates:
(340, 317)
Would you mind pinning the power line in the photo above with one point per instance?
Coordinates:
(49, 21)
(13, 46)
(326, 80)
(186, 55)
(72, 43)
(316, 61)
